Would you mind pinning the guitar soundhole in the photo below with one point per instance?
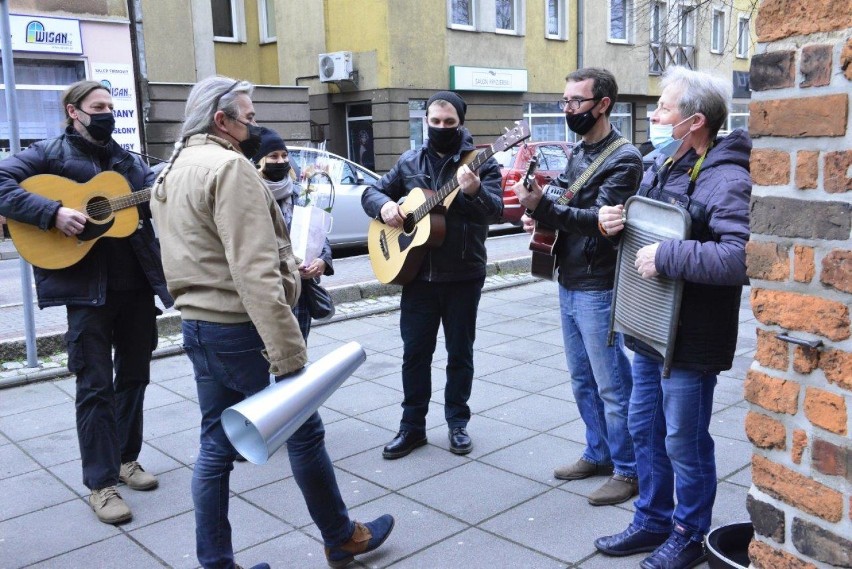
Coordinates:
(409, 224)
(98, 208)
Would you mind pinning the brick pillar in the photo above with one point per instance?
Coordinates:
(800, 264)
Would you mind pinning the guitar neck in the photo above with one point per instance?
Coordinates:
(452, 185)
(130, 200)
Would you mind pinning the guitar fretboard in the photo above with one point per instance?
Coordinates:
(130, 200)
(450, 186)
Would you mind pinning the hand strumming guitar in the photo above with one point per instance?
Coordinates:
(392, 215)
(69, 221)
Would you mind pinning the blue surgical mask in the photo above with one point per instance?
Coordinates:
(663, 139)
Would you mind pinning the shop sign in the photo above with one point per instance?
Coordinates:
(45, 35)
(118, 79)
(487, 79)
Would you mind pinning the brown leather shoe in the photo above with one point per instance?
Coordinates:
(616, 490)
(582, 469)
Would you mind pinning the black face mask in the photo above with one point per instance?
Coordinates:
(250, 146)
(100, 125)
(445, 140)
(581, 123)
(276, 171)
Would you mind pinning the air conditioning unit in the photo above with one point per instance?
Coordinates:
(336, 66)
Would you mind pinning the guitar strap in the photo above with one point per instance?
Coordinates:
(467, 158)
(588, 172)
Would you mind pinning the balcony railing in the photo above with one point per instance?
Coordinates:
(661, 55)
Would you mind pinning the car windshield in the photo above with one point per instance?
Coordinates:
(506, 157)
(316, 168)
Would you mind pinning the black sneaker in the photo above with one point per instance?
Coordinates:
(678, 552)
(630, 541)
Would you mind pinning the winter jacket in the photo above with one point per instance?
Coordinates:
(586, 259)
(712, 260)
(72, 156)
(462, 255)
(226, 250)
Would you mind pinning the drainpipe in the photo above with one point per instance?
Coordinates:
(580, 34)
(140, 69)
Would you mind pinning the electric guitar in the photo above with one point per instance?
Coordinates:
(396, 253)
(105, 200)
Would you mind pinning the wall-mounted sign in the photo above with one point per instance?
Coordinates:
(487, 79)
(118, 78)
(47, 35)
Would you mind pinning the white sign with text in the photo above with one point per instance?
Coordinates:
(118, 78)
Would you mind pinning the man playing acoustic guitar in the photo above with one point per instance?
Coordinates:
(109, 294)
(603, 170)
(448, 285)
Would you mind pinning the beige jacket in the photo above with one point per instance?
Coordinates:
(226, 250)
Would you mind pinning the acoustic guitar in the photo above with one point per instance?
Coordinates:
(543, 243)
(105, 200)
(396, 253)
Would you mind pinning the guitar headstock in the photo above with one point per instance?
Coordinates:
(512, 137)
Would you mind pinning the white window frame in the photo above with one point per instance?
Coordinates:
(238, 17)
(263, 17)
(686, 24)
(516, 19)
(464, 27)
(661, 28)
(628, 22)
(743, 39)
(561, 17)
(717, 41)
(618, 111)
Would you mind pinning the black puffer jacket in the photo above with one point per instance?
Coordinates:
(462, 255)
(586, 258)
(72, 156)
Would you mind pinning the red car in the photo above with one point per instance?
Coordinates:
(552, 159)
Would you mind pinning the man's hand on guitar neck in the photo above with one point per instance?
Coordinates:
(468, 180)
(69, 221)
(528, 196)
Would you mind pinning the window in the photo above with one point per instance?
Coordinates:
(547, 122)
(743, 38)
(417, 127)
(266, 11)
(658, 22)
(506, 16)
(686, 25)
(738, 117)
(228, 20)
(39, 85)
(621, 21)
(622, 119)
(462, 16)
(359, 123)
(556, 26)
(717, 31)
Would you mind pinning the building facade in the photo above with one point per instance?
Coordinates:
(54, 47)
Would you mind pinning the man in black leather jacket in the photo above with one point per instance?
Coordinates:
(600, 374)
(449, 283)
(109, 294)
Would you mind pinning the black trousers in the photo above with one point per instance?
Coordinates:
(109, 407)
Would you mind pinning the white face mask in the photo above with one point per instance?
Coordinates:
(662, 137)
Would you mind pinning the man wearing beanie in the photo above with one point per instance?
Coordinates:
(448, 286)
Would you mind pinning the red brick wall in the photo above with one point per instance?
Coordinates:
(800, 264)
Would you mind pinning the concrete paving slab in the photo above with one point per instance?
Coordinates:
(42, 491)
(104, 554)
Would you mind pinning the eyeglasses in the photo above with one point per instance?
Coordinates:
(573, 104)
(219, 98)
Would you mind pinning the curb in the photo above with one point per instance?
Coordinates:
(364, 299)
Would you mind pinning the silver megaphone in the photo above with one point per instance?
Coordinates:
(262, 423)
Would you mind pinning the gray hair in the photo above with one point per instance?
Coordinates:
(216, 93)
(701, 93)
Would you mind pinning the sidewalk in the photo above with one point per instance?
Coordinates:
(497, 507)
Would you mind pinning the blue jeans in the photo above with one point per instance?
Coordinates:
(600, 377)
(229, 367)
(423, 308)
(670, 422)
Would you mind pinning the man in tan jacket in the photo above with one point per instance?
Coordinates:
(230, 267)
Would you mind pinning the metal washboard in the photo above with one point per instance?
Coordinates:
(648, 309)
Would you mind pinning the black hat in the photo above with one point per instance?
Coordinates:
(453, 99)
(270, 141)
